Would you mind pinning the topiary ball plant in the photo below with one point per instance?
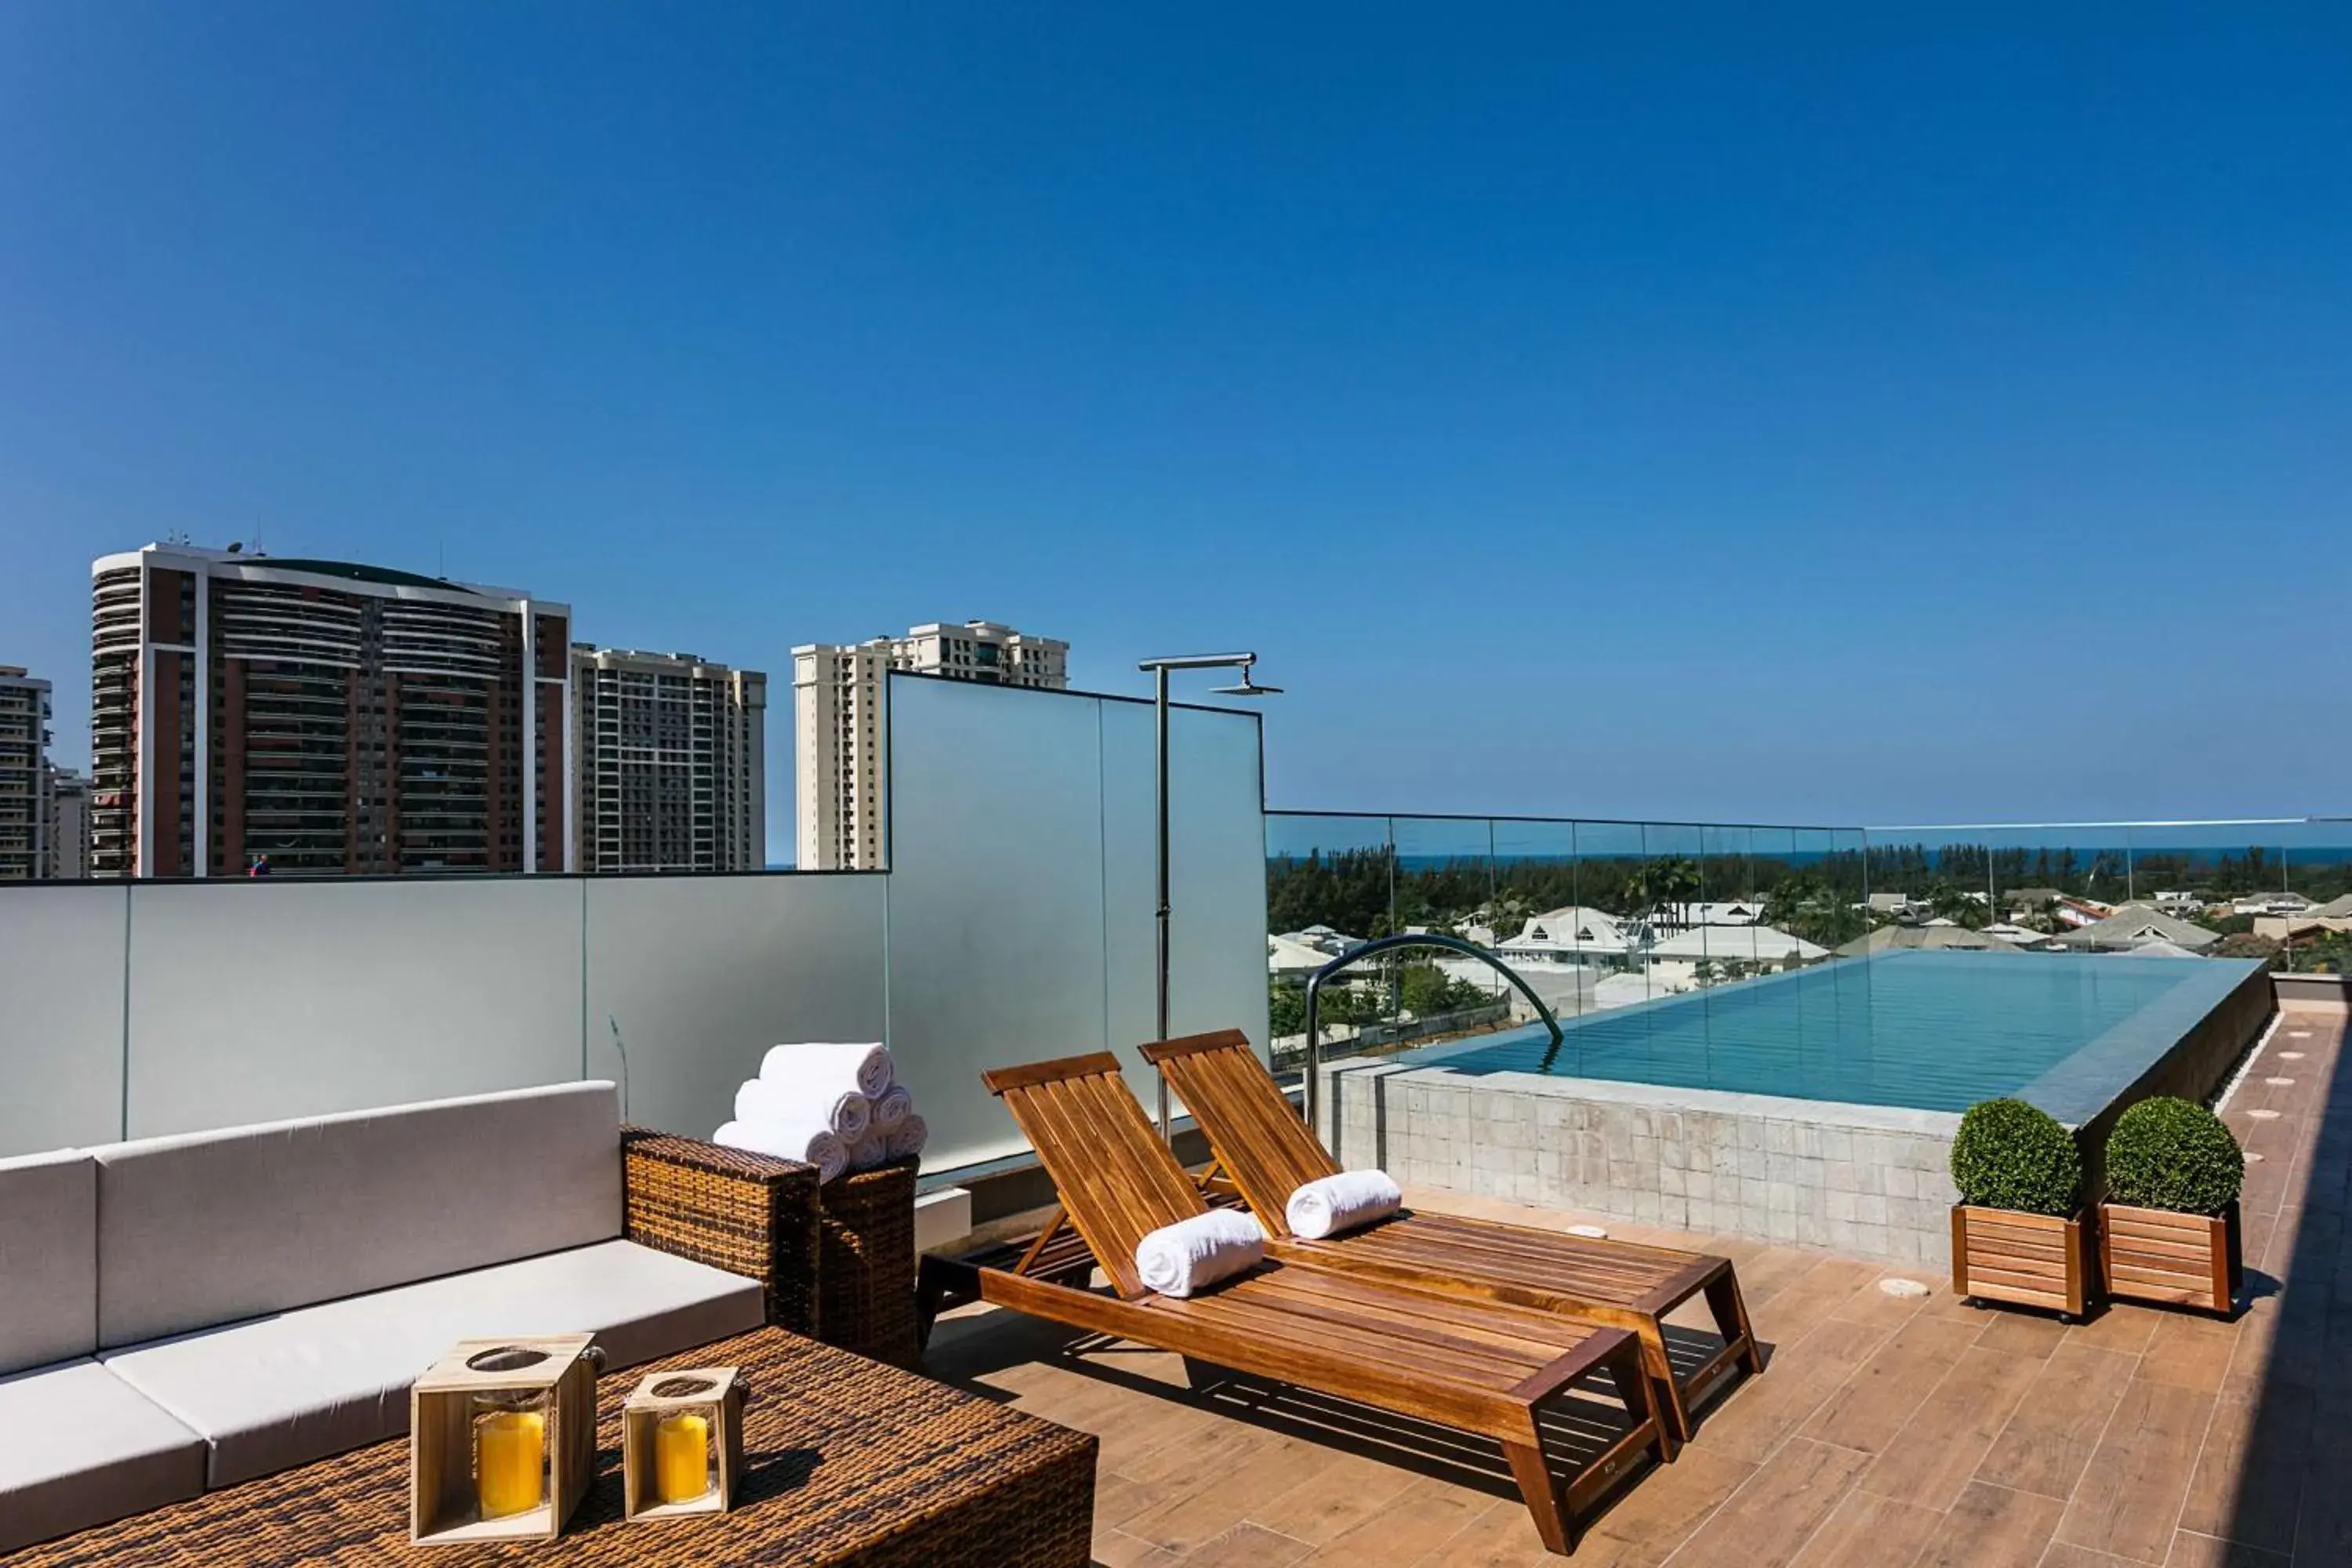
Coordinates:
(2012, 1156)
(2167, 1153)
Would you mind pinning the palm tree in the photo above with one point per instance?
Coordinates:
(1670, 881)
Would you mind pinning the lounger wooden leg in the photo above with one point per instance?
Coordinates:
(1543, 1495)
(1633, 1386)
(1731, 1318)
(1661, 1368)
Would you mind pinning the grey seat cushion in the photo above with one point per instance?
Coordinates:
(211, 1227)
(48, 1259)
(284, 1390)
(79, 1447)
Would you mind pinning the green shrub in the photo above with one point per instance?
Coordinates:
(2175, 1154)
(2012, 1156)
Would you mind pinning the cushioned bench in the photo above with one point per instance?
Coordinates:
(236, 1302)
(77, 1446)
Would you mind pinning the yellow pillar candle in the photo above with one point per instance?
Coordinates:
(681, 1457)
(510, 1461)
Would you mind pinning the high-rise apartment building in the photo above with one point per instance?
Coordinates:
(69, 824)
(327, 717)
(24, 774)
(837, 722)
(673, 762)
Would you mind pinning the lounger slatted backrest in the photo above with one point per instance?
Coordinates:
(1261, 1143)
(1117, 1182)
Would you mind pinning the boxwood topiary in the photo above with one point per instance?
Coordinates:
(2012, 1156)
(2167, 1153)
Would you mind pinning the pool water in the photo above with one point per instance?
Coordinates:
(1928, 1030)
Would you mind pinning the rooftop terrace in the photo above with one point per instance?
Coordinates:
(1015, 924)
(1888, 1431)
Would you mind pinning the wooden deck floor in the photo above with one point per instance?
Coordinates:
(1886, 1432)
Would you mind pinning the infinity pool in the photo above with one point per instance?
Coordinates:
(1926, 1030)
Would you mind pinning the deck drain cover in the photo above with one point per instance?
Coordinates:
(2279, 1082)
(1594, 1231)
(2290, 1056)
(1902, 1287)
(2264, 1115)
(2298, 1033)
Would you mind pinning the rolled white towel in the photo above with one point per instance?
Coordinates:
(1193, 1254)
(891, 1107)
(906, 1140)
(865, 1068)
(811, 1145)
(867, 1149)
(1332, 1204)
(845, 1111)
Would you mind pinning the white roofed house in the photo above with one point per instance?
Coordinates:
(2133, 924)
(1287, 958)
(2280, 903)
(1568, 936)
(1757, 944)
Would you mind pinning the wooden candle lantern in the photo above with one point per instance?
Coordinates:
(682, 1443)
(502, 1439)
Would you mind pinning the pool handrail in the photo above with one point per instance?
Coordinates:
(1388, 943)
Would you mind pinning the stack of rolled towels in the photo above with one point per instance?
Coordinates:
(838, 1107)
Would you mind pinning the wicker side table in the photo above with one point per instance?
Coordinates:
(847, 1464)
(866, 1263)
(748, 1214)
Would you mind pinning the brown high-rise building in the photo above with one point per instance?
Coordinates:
(329, 718)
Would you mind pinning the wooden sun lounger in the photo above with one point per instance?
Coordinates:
(1266, 1151)
(1489, 1368)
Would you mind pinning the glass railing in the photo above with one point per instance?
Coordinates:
(1599, 916)
(1593, 915)
(2275, 889)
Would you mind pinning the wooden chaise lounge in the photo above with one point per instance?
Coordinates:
(1267, 1152)
(1488, 1368)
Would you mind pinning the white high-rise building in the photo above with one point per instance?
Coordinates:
(69, 824)
(24, 774)
(837, 693)
(673, 762)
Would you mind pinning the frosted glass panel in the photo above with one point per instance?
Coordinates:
(252, 1001)
(1217, 970)
(996, 897)
(703, 973)
(61, 951)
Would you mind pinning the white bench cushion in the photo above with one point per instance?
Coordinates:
(79, 1447)
(284, 1390)
(48, 1259)
(211, 1227)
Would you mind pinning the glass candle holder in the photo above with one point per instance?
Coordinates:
(509, 1428)
(684, 1464)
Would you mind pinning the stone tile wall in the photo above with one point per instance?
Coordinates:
(1864, 1180)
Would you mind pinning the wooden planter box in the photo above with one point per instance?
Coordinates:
(2179, 1259)
(2029, 1259)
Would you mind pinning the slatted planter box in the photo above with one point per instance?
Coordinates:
(2179, 1259)
(2027, 1259)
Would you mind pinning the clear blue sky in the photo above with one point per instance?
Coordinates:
(1745, 412)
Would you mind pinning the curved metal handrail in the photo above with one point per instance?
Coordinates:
(1388, 943)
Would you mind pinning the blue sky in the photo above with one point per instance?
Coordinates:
(1702, 412)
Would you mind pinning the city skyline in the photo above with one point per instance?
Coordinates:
(1796, 435)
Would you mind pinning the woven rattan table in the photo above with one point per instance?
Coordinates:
(847, 1462)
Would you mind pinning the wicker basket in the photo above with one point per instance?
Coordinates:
(748, 1214)
(866, 1263)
